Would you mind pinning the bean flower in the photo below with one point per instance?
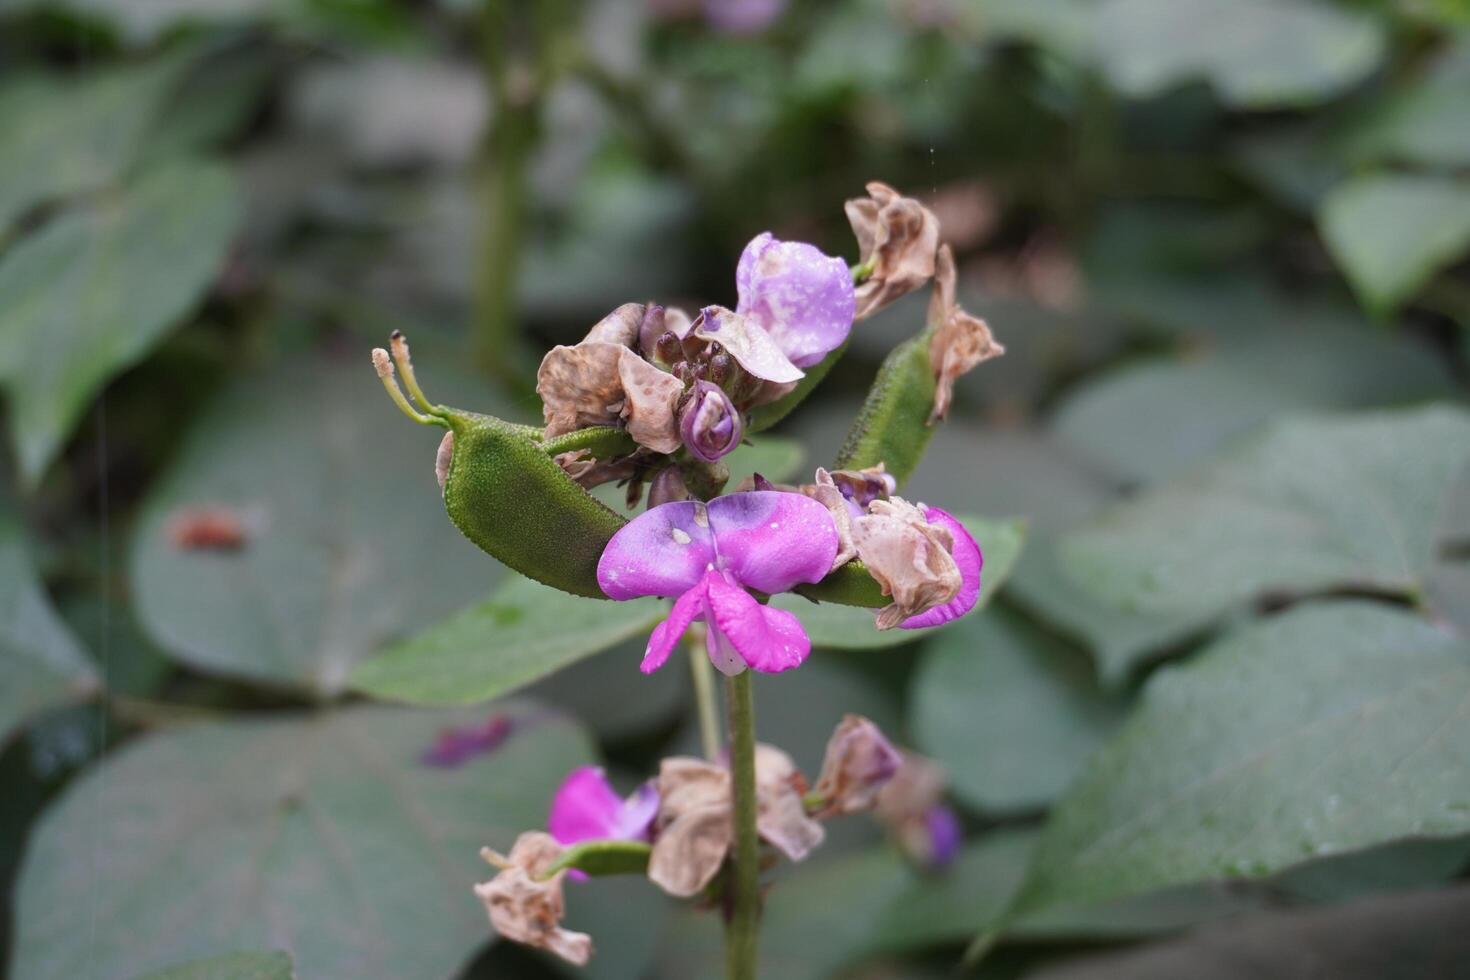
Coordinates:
(586, 808)
(707, 557)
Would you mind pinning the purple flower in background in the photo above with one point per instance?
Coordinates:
(742, 16)
(967, 557)
(706, 556)
(709, 423)
(455, 746)
(945, 836)
(800, 296)
(586, 808)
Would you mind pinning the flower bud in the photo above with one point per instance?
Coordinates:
(651, 328)
(668, 348)
(709, 422)
(858, 763)
(667, 486)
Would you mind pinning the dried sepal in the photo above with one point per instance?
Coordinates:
(960, 341)
(523, 907)
(897, 239)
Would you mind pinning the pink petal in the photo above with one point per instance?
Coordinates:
(584, 808)
(768, 640)
(770, 540)
(663, 551)
(638, 812)
(803, 298)
(689, 607)
(969, 559)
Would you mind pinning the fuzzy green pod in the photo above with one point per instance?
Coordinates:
(893, 427)
(505, 493)
(504, 490)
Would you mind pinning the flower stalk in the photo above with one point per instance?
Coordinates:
(742, 929)
(703, 676)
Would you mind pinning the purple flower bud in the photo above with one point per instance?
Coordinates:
(652, 327)
(668, 486)
(945, 836)
(709, 422)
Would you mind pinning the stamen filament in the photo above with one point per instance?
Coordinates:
(384, 367)
(399, 345)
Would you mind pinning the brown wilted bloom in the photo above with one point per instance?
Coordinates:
(206, 529)
(695, 824)
(827, 493)
(606, 382)
(912, 559)
(911, 807)
(960, 341)
(858, 763)
(897, 238)
(526, 909)
(588, 471)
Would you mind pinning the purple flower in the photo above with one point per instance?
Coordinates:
(967, 557)
(945, 836)
(742, 16)
(454, 747)
(709, 422)
(586, 808)
(708, 555)
(803, 298)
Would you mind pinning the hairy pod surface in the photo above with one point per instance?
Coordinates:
(892, 427)
(507, 495)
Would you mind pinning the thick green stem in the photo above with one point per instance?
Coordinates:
(704, 692)
(742, 931)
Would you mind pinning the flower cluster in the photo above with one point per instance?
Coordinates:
(685, 817)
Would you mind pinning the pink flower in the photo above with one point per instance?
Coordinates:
(586, 808)
(705, 556)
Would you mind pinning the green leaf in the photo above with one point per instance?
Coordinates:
(97, 287)
(235, 966)
(1392, 232)
(346, 543)
(63, 138)
(601, 858)
(892, 426)
(996, 681)
(1147, 421)
(525, 632)
(323, 835)
(1255, 54)
(839, 627)
(1313, 503)
(1333, 727)
(41, 663)
(1403, 937)
(1423, 121)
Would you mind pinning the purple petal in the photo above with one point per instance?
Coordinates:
(945, 835)
(638, 812)
(969, 559)
(770, 540)
(748, 342)
(584, 808)
(800, 296)
(664, 551)
(742, 16)
(689, 607)
(768, 640)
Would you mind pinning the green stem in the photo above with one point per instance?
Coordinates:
(515, 92)
(704, 692)
(742, 931)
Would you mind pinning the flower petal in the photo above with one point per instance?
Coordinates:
(802, 297)
(968, 558)
(747, 341)
(584, 808)
(665, 636)
(664, 551)
(770, 540)
(768, 640)
(638, 812)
